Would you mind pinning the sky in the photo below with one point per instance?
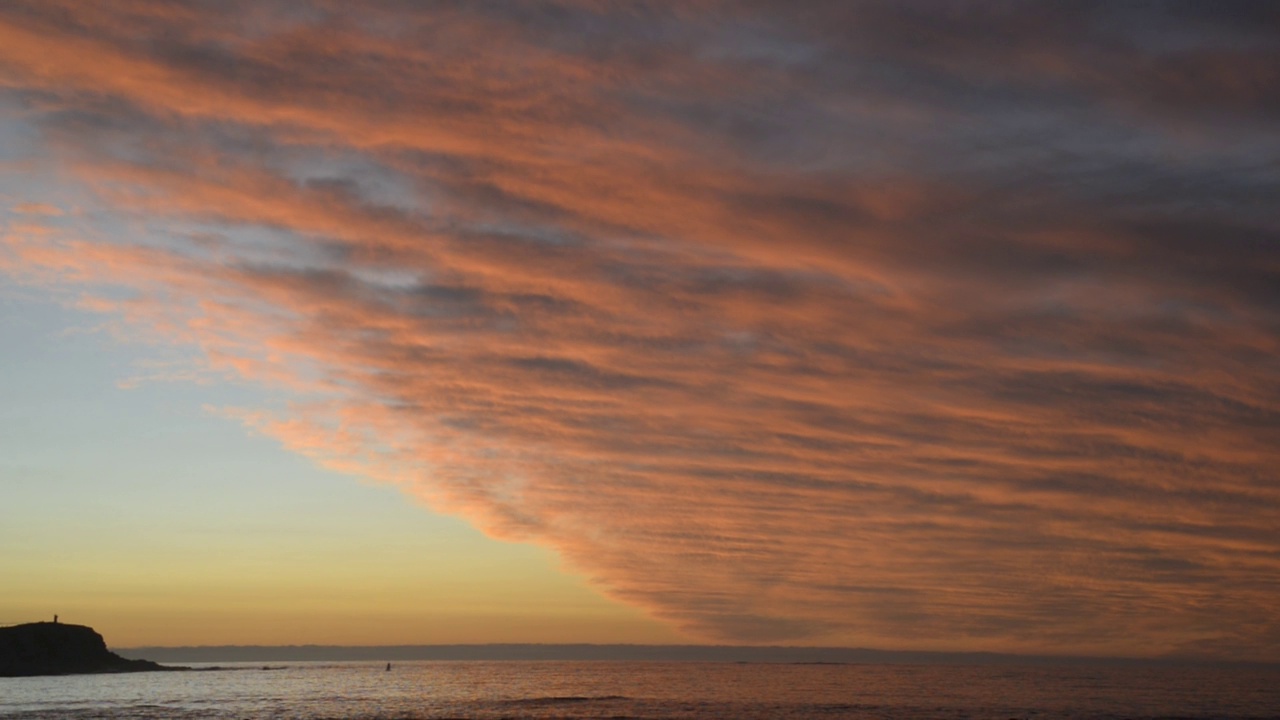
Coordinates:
(914, 326)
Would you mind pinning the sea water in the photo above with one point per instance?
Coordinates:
(615, 689)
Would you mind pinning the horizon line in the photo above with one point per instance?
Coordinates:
(784, 654)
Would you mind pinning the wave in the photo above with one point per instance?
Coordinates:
(563, 700)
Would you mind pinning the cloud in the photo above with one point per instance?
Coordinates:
(784, 326)
(37, 209)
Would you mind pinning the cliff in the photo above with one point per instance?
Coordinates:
(46, 648)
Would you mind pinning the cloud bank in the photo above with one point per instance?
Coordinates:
(938, 327)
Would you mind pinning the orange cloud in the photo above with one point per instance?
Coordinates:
(608, 295)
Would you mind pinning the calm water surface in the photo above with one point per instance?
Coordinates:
(430, 690)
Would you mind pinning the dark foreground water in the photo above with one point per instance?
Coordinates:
(311, 691)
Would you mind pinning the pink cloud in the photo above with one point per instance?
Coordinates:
(606, 302)
(37, 209)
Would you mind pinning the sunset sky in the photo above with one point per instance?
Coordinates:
(931, 326)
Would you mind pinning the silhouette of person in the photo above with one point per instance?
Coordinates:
(55, 619)
(388, 666)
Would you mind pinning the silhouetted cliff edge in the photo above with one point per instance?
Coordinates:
(46, 648)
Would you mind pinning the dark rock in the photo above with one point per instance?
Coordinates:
(50, 648)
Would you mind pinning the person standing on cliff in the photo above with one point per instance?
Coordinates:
(55, 619)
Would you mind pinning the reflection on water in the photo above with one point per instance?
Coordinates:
(309, 691)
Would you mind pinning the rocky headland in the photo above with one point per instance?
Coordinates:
(52, 648)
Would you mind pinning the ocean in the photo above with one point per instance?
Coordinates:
(616, 689)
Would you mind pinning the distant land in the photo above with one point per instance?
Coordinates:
(682, 653)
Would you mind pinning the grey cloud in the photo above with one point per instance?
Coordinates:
(868, 323)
